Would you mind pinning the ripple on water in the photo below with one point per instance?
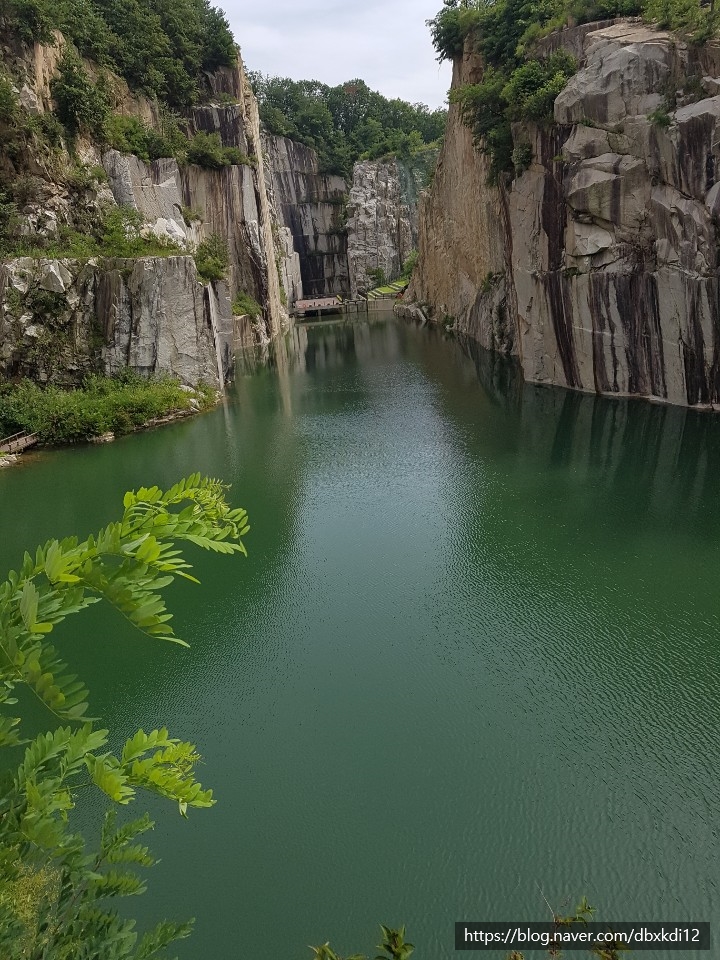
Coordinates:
(471, 661)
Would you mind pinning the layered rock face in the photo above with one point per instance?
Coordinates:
(311, 205)
(233, 203)
(60, 319)
(609, 245)
(64, 318)
(462, 234)
(381, 222)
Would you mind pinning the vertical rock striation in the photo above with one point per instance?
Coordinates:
(61, 319)
(462, 240)
(65, 318)
(311, 205)
(608, 242)
(381, 222)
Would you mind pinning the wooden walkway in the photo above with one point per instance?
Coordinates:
(18, 442)
(320, 306)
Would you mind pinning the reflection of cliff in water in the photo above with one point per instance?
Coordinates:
(661, 461)
(324, 345)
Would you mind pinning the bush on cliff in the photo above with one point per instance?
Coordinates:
(245, 305)
(212, 259)
(163, 49)
(82, 103)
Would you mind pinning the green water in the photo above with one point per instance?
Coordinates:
(472, 661)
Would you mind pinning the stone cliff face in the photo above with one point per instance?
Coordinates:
(461, 235)
(311, 205)
(607, 244)
(232, 203)
(381, 221)
(63, 319)
(59, 319)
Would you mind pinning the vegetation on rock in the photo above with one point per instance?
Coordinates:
(212, 259)
(245, 305)
(164, 49)
(518, 85)
(345, 123)
(119, 233)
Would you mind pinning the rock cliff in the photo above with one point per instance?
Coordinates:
(65, 318)
(153, 314)
(311, 206)
(382, 218)
(460, 273)
(602, 255)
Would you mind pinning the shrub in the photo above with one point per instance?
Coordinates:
(684, 15)
(660, 117)
(8, 102)
(26, 189)
(409, 265)
(451, 26)
(212, 259)
(8, 223)
(82, 104)
(522, 157)
(132, 135)
(118, 404)
(235, 156)
(206, 150)
(245, 304)
(29, 19)
(532, 88)
(48, 128)
(191, 216)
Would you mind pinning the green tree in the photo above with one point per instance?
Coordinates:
(345, 123)
(56, 896)
(82, 104)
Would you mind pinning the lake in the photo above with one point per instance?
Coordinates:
(471, 665)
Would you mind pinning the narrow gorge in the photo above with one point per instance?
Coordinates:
(290, 231)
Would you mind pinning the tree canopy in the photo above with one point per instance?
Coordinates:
(345, 123)
(162, 47)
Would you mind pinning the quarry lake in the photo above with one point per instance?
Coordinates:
(471, 663)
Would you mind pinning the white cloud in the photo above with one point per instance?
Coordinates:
(385, 43)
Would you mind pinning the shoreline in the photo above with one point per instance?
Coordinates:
(172, 416)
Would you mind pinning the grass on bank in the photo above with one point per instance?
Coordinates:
(117, 404)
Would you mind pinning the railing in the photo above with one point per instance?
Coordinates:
(18, 442)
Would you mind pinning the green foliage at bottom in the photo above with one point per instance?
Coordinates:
(58, 893)
(118, 404)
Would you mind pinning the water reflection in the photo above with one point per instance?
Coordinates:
(475, 643)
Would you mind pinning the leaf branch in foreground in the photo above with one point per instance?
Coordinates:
(55, 897)
(128, 564)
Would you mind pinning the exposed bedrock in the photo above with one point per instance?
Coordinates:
(607, 244)
(62, 319)
(382, 216)
(311, 206)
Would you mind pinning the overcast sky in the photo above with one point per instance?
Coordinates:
(384, 42)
